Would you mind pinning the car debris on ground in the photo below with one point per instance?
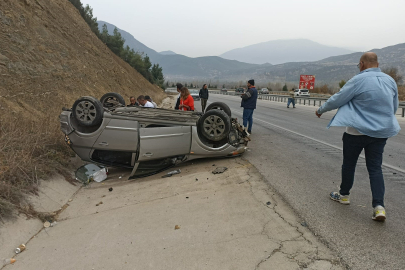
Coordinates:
(219, 170)
(91, 172)
(170, 174)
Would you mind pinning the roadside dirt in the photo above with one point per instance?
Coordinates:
(193, 220)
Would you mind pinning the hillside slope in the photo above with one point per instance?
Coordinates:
(48, 58)
(47, 50)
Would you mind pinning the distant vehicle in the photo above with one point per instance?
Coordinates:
(264, 91)
(195, 94)
(224, 90)
(240, 90)
(301, 92)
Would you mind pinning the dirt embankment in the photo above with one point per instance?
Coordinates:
(48, 58)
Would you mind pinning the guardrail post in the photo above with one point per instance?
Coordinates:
(304, 101)
(403, 112)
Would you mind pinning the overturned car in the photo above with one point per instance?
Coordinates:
(148, 140)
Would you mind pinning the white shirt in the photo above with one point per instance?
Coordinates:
(148, 105)
(353, 131)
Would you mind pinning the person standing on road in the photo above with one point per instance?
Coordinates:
(186, 100)
(204, 97)
(249, 100)
(291, 99)
(367, 105)
(179, 86)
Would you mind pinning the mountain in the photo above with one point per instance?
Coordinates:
(329, 70)
(180, 67)
(129, 40)
(168, 53)
(283, 51)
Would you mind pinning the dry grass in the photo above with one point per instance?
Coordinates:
(30, 149)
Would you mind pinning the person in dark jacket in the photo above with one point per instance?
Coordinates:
(249, 100)
(179, 86)
(204, 96)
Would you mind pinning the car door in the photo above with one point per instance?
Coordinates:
(118, 144)
(162, 142)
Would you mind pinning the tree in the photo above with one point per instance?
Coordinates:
(191, 85)
(285, 87)
(342, 83)
(393, 72)
(157, 75)
(116, 42)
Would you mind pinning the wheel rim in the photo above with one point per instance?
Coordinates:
(214, 126)
(86, 112)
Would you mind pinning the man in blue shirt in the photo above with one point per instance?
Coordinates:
(367, 105)
(249, 100)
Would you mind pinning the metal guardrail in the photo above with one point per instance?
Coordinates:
(308, 100)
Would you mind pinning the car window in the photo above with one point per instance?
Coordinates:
(112, 158)
(304, 90)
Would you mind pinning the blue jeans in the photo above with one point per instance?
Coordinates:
(248, 117)
(291, 100)
(373, 149)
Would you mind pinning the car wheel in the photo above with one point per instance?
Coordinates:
(112, 99)
(88, 111)
(219, 106)
(214, 125)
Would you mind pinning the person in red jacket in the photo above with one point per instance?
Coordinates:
(186, 100)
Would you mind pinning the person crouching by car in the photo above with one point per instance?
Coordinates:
(186, 100)
(204, 96)
(151, 101)
(144, 103)
(132, 102)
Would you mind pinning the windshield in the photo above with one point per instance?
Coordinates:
(304, 90)
(193, 91)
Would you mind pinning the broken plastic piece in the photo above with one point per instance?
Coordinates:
(91, 172)
(169, 174)
(8, 261)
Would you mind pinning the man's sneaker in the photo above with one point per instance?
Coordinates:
(379, 213)
(343, 199)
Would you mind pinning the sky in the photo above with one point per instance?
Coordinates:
(212, 27)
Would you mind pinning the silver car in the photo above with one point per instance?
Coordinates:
(148, 140)
(195, 94)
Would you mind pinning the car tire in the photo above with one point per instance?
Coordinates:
(214, 125)
(88, 111)
(219, 106)
(111, 99)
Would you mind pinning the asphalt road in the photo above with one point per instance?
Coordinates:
(301, 160)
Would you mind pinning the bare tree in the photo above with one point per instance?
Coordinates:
(393, 72)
